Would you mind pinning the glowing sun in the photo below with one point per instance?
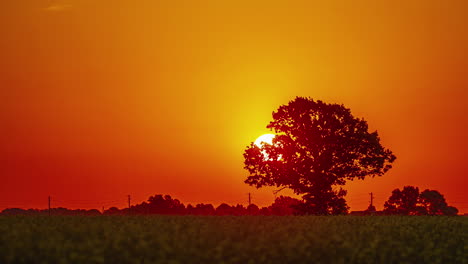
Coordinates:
(267, 138)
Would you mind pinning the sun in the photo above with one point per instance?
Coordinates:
(267, 138)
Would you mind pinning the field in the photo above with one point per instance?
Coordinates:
(226, 239)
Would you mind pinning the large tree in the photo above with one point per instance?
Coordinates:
(317, 147)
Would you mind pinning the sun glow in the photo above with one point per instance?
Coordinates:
(265, 138)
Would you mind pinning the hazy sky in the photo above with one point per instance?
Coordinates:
(100, 99)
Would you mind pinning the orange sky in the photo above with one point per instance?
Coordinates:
(101, 98)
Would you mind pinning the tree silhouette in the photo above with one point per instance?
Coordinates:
(371, 208)
(435, 204)
(285, 205)
(450, 210)
(224, 209)
(317, 148)
(410, 202)
(404, 202)
(264, 211)
(252, 209)
(205, 209)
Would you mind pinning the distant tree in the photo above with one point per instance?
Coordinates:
(317, 147)
(434, 203)
(93, 212)
(190, 210)
(253, 209)
(410, 202)
(205, 209)
(404, 202)
(18, 211)
(450, 210)
(224, 209)
(159, 204)
(371, 208)
(264, 211)
(112, 211)
(54, 211)
(285, 205)
(239, 210)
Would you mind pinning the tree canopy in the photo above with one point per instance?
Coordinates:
(409, 201)
(317, 147)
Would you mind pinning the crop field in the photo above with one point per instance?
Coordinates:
(231, 239)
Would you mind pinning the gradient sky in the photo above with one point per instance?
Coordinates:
(101, 99)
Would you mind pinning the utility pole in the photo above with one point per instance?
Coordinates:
(103, 210)
(129, 198)
(250, 200)
(371, 199)
(49, 205)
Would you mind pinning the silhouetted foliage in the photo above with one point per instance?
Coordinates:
(159, 204)
(404, 202)
(450, 210)
(200, 209)
(252, 209)
(112, 211)
(371, 208)
(264, 211)
(410, 202)
(433, 202)
(53, 211)
(205, 209)
(285, 205)
(239, 209)
(19, 211)
(223, 209)
(318, 147)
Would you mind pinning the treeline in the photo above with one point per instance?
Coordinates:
(53, 211)
(408, 201)
(166, 205)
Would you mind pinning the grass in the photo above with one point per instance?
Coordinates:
(226, 239)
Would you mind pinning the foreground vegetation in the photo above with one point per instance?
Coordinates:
(231, 239)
